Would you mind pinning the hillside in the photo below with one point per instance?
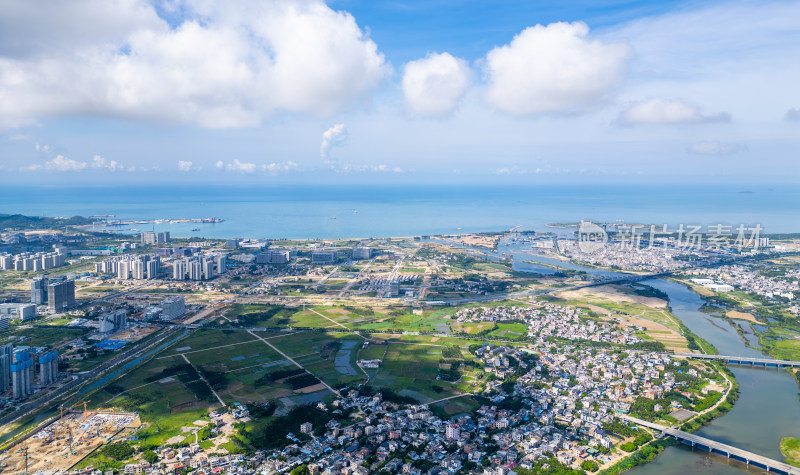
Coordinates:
(18, 221)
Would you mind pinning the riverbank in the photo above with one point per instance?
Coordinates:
(778, 338)
(790, 448)
(647, 453)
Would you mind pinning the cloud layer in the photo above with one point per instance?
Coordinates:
(553, 69)
(225, 65)
(716, 148)
(434, 86)
(659, 111)
(250, 168)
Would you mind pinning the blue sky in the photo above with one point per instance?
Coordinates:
(409, 29)
(400, 91)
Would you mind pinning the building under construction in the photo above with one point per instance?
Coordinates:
(70, 437)
(18, 367)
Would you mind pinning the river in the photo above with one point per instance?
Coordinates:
(766, 411)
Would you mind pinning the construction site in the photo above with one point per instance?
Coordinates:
(65, 441)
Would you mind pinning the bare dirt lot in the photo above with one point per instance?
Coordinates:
(615, 293)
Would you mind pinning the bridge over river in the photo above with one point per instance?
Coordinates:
(712, 446)
(743, 360)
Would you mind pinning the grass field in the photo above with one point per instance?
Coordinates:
(510, 330)
(240, 366)
(457, 406)
(472, 328)
(428, 321)
(317, 351)
(264, 316)
(411, 369)
(783, 349)
(41, 335)
(492, 267)
(790, 448)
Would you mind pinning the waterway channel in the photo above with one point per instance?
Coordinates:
(767, 409)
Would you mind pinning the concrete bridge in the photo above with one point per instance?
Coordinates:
(742, 360)
(711, 446)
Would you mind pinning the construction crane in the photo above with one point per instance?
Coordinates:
(25, 451)
(69, 431)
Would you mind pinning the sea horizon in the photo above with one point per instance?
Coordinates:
(337, 211)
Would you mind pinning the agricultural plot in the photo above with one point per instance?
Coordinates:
(471, 328)
(263, 316)
(209, 338)
(41, 335)
(155, 389)
(624, 305)
(233, 358)
(321, 317)
(435, 321)
(412, 370)
(457, 406)
(510, 330)
(373, 352)
(330, 357)
(239, 367)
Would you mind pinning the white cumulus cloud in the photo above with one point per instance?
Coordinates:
(659, 111)
(184, 165)
(434, 86)
(225, 64)
(553, 69)
(273, 168)
(100, 162)
(336, 135)
(716, 148)
(241, 167)
(63, 164)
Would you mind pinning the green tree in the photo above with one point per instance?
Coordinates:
(150, 456)
(590, 465)
(118, 450)
(301, 470)
(628, 446)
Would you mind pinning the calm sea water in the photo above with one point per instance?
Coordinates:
(341, 211)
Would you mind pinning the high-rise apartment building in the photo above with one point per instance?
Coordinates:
(152, 268)
(39, 290)
(208, 268)
(152, 238)
(6, 359)
(61, 295)
(22, 373)
(48, 367)
(221, 263)
(179, 269)
(172, 307)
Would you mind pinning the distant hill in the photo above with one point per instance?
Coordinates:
(18, 221)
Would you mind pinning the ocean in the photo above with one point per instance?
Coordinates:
(362, 211)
